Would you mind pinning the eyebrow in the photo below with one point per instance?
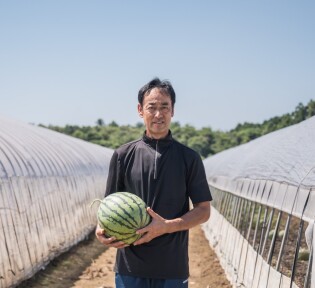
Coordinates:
(162, 104)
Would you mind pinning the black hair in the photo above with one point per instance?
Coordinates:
(165, 86)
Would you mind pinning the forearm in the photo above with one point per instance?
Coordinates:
(159, 226)
(198, 215)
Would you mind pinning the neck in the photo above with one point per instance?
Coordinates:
(157, 137)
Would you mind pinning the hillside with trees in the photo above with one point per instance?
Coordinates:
(205, 141)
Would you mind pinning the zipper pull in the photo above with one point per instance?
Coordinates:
(155, 160)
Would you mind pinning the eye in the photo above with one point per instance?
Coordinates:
(151, 109)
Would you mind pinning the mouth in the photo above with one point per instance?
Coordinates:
(158, 122)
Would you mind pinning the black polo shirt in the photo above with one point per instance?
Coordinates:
(165, 174)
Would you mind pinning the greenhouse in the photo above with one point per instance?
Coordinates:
(47, 181)
(263, 213)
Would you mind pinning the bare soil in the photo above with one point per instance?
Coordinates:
(90, 265)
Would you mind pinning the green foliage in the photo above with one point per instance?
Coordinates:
(205, 141)
(100, 122)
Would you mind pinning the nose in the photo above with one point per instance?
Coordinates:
(157, 113)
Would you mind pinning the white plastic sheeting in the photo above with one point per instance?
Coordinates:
(244, 267)
(277, 170)
(47, 181)
(284, 156)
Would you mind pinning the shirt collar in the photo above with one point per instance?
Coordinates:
(162, 142)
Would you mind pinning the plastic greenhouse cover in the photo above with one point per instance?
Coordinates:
(47, 181)
(286, 155)
(27, 150)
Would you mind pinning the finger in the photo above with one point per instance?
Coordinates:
(106, 241)
(142, 240)
(153, 214)
(112, 242)
(143, 230)
(118, 245)
(99, 232)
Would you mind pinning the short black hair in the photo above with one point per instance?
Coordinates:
(165, 86)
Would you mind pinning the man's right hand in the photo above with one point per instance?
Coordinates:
(109, 242)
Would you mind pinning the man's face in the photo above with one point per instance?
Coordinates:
(157, 112)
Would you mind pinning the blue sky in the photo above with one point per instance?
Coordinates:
(72, 62)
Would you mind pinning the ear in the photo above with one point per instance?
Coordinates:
(140, 110)
(172, 112)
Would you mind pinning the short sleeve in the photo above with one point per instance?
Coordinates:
(115, 180)
(198, 187)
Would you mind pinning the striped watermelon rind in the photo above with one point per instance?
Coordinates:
(121, 214)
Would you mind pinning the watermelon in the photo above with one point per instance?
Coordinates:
(304, 254)
(121, 214)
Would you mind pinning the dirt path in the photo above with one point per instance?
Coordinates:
(89, 265)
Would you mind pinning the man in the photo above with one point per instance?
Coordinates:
(165, 174)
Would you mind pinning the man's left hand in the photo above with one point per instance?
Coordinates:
(156, 228)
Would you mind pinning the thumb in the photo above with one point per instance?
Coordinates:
(151, 212)
(100, 232)
(154, 215)
(146, 228)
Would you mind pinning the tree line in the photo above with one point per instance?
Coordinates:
(205, 141)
